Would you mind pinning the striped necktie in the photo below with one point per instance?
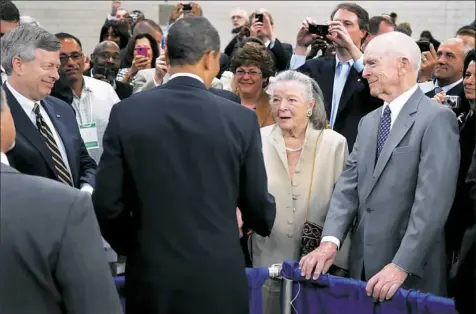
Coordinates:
(60, 167)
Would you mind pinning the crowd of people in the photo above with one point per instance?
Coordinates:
(351, 151)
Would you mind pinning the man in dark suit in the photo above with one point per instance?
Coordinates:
(51, 259)
(49, 142)
(192, 158)
(346, 94)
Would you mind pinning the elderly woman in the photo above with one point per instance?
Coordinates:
(303, 160)
(252, 66)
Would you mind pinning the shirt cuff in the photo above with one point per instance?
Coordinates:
(85, 187)
(359, 64)
(331, 239)
(297, 61)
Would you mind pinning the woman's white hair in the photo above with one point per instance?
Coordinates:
(25, 19)
(397, 44)
(312, 91)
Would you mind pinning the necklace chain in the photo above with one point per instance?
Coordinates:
(294, 150)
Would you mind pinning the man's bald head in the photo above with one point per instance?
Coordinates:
(392, 62)
(396, 45)
(449, 66)
(105, 45)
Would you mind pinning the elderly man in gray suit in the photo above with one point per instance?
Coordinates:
(399, 182)
(51, 257)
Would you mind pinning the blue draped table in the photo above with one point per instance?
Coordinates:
(335, 295)
(256, 278)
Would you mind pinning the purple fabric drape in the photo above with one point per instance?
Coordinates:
(256, 278)
(119, 281)
(335, 295)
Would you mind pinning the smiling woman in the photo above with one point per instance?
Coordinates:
(253, 66)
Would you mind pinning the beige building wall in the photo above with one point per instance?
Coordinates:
(85, 18)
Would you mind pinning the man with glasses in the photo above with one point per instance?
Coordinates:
(92, 99)
(106, 61)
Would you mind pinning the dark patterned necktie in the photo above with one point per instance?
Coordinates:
(60, 167)
(383, 129)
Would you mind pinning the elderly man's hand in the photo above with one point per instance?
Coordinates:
(385, 283)
(240, 221)
(318, 261)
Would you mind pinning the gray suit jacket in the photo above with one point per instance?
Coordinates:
(51, 255)
(400, 203)
(144, 80)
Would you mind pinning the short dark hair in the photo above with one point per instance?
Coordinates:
(362, 14)
(9, 11)
(129, 55)
(189, 39)
(62, 36)
(470, 56)
(119, 28)
(374, 23)
(146, 26)
(393, 15)
(467, 30)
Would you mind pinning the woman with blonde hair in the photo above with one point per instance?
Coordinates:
(252, 66)
(303, 160)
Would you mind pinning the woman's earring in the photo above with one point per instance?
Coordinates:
(309, 112)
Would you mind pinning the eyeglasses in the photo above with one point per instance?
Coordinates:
(251, 73)
(75, 56)
(106, 55)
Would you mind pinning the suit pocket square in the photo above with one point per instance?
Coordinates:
(404, 150)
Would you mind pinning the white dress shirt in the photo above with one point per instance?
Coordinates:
(186, 74)
(27, 106)
(395, 107)
(4, 159)
(429, 86)
(94, 105)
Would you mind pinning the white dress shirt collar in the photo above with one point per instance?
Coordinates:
(351, 61)
(448, 87)
(186, 74)
(4, 159)
(24, 102)
(397, 104)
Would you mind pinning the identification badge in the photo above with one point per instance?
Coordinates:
(89, 133)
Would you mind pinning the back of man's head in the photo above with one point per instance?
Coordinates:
(189, 39)
(376, 21)
(147, 26)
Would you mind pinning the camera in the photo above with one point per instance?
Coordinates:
(451, 101)
(321, 30)
(423, 45)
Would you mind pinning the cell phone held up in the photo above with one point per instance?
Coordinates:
(142, 51)
(423, 45)
(320, 30)
(187, 7)
(259, 17)
(451, 101)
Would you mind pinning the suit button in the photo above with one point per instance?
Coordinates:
(294, 209)
(290, 222)
(295, 197)
(290, 235)
(294, 184)
(368, 210)
(297, 171)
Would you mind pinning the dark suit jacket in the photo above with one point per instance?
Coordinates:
(177, 162)
(355, 101)
(52, 259)
(31, 155)
(226, 94)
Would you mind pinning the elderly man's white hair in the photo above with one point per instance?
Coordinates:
(398, 45)
(25, 19)
(239, 12)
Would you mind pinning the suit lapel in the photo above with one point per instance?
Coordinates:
(404, 121)
(62, 131)
(350, 85)
(25, 127)
(327, 85)
(371, 150)
(277, 141)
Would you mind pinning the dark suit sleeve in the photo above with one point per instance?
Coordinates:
(109, 197)
(256, 204)
(282, 57)
(87, 165)
(82, 272)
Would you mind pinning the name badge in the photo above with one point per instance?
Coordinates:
(89, 134)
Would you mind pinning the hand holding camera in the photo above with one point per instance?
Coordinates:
(261, 27)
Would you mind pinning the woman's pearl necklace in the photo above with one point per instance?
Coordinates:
(294, 150)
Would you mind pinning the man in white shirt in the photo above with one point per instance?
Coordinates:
(399, 182)
(92, 99)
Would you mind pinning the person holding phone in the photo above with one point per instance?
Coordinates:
(141, 53)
